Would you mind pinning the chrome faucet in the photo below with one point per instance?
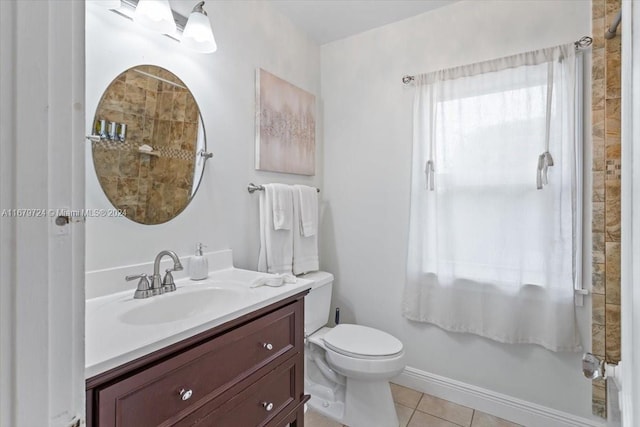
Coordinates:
(158, 285)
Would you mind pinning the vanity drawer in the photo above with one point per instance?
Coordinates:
(152, 397)
(259, 405)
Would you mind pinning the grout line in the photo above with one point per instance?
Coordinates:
(444, 419)
(472, 417)
(411, 417)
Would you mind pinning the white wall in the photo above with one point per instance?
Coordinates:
(222, 215)
(367, 133)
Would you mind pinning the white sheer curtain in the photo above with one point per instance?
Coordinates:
(494, 220)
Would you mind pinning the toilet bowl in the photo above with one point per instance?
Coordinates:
(348, 367)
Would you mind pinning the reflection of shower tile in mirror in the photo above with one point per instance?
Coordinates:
(136, 79)
(129, 164)
(134, 128)
(191, 110)
(164, 105)
(134, 99)
(147, 133)
(111, 115)
(151, 101)
(179, 105)
(107, 162)
(152, 85)
(189, 136)
(162, 132)
(115, 93)
(109, 184)
(176, 135)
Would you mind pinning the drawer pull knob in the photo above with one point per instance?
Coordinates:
(268, 406)
(186, 394)
(268, 346)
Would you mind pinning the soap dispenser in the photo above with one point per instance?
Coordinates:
(199, 266)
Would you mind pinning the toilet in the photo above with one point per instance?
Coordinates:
(348, 367)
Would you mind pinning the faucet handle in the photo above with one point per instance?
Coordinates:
(144, 287)
(168, 284)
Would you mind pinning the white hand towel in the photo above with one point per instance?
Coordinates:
(305, 249)
(276, 246)
(308, 209)
(282, 206)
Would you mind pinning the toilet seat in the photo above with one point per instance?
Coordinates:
(362, 342)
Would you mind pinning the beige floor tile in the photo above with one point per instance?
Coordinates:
(405, 396)
(420, 419)
(314, 419)
(404, 414)
(444, 409)
(480, 419)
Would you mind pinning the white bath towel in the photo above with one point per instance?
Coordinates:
(305, 249)
(308, 209)
(276, 246)
(282, 206)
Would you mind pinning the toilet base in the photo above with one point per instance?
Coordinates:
(365, 404)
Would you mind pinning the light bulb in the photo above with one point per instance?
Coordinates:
(155, 15)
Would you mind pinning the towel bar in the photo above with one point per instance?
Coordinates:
(251, 188)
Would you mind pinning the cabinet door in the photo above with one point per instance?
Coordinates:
(267, 399)
(168, 391)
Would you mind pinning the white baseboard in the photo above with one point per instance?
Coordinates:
(510, 408)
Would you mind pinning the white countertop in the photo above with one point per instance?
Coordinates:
(115, 336)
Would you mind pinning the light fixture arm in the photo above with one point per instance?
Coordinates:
(199, 8)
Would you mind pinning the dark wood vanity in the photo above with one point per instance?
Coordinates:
(248, 372)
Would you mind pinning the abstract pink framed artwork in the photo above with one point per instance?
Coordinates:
(285, 126)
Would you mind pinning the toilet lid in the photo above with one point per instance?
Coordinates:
(362, 341)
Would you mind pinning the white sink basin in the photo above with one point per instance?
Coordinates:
(180, 305)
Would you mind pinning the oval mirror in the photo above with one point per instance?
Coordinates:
(149, 144)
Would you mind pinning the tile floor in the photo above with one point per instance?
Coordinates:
(416, 409)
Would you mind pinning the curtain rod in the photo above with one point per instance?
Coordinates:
(251, 188)
(580, 44)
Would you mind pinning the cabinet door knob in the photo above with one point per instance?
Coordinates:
(268, 346)
(268, 406)
(186, 394)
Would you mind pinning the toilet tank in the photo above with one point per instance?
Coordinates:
(317, 303)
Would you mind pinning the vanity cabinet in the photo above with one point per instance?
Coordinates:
(248, 372)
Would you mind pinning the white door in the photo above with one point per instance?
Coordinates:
(41, 173)
(630, 394)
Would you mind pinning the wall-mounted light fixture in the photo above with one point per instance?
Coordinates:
(195, 33)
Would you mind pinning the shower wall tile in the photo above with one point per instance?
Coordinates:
(612, 273)
(598, 28)
(599, 392)
(598, 309)
(606, 170)
(613, 73)
(598, 221)
(598, 9)
(612, 333)
(598, 248)
(598, 70)
(597, 278)
(598, 123)
(598, 183)
(612, 211)
(598, 336)
(612, 119)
